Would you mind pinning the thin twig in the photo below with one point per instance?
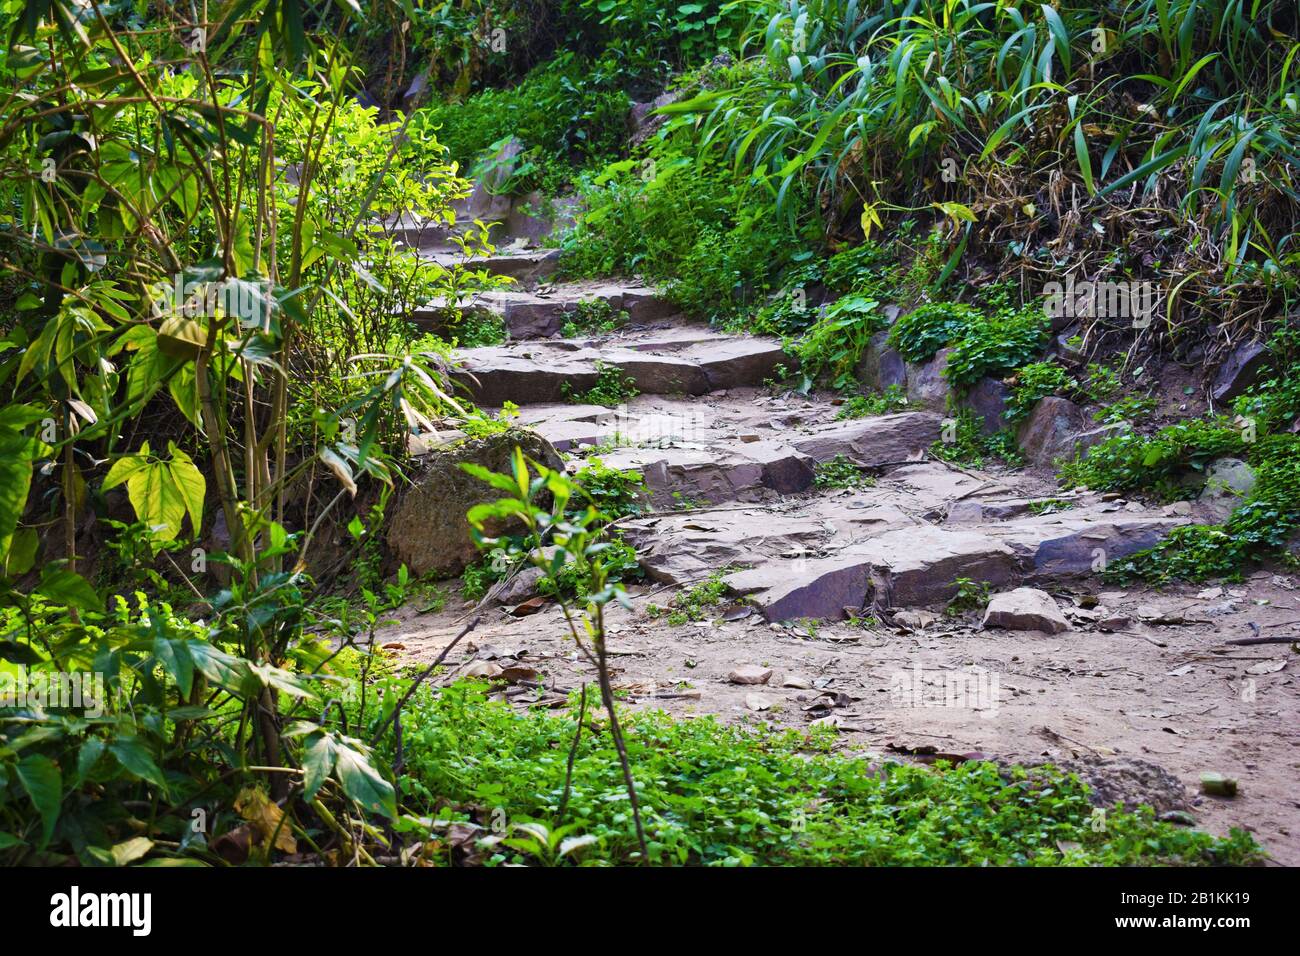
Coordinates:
(573, 753)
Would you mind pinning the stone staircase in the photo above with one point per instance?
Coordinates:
(731, 468)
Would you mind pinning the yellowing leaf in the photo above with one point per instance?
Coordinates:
(190, 483)
(340, 468)
(870, 218)
(267, 819)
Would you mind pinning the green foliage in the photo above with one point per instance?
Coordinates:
(1130, 461)
(478, 425)
(618, 560)
(1129, 408)
(1101, 383)
(612, 388)
(478, 577)
(728, 795)
(834, 343)
(647, 40)
(999, 344)
(892, 399)
(565, 116)
(964, 443)
(847, 96)
(923, 331)
(841, 472)
(1258, 528)
(616, 493)
(971, 596)
(695, 602)
(1035, 381)
(675, 214)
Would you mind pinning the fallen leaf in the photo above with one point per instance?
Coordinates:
(1266, 667)
(531, 606)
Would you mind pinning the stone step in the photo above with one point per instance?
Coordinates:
(529, 373)
(872, 442)
(525, 265)
(904, 568)
(542, 313)
(725, 471)
(815, 557)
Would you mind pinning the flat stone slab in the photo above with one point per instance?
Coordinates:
(872, 442)
(724, 472)
(909, 567)
(541, 313)
(535, 372)
(1080, 542)
(526, 375)
(684, 548)
(525, 266)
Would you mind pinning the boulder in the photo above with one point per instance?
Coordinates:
(1227, 481)
(1025, 609)
(487, 201)
(520, 588)
(1240, 371)
(428, 531)
(927, 386)
(880, 366)
(642, 119)
(1068, 352)
(1051, 430)
(987, 398)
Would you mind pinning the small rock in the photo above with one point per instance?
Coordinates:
(750, 674)
(1240, 371)
(915, 620)
(1025, 609)
(1209, 594)
(1217, 785)
(797, 681)
(758, 702)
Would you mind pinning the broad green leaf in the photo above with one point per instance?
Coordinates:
(40, 777)
(318, 762)
(132, 754)
(362, 782)
(65, 587)
(191, 485)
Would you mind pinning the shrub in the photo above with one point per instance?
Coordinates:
(892, 399)
(1035, 381)
(1131, 461)
(923, 331)
(1008, 340)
